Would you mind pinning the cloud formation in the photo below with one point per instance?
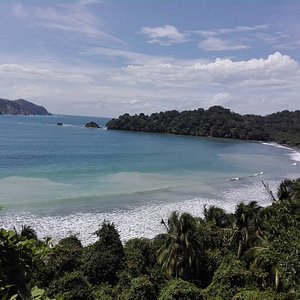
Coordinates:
(38, 73)
(217, 44)
(150, 85)
(220, 39)
(74, 17)
(277, 68)
(164, 35)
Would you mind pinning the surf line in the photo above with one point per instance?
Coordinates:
(249, 176)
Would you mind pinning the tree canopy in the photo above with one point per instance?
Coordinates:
(281, 127)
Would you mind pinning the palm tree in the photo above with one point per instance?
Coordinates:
(289, 189)
(247, 225)
(180, 255)
(258, 257)
(285, 189)
(217, 216)
(275, 251)
(28, 232)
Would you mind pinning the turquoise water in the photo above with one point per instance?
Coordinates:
(69, 178)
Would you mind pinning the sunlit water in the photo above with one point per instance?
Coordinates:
(68, 179)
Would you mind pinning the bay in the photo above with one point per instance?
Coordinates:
(68, 179)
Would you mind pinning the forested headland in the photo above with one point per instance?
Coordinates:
(281, 127)
(252, 253)
(21, 107)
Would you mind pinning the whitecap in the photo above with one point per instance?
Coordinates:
(276, 145)
(234, 179)
(295, 156)
(137, 221)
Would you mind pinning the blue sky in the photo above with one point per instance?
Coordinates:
(106, 58)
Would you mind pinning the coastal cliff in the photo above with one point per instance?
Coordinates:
(21, 107)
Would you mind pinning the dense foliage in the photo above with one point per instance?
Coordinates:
(253, 253)
(281, 127)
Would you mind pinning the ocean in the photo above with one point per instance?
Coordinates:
(68, 179)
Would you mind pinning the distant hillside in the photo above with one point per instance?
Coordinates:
(281, 127)
(21, 107)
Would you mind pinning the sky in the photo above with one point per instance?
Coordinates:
(106, 58)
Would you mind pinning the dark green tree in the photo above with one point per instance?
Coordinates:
(105, 258)
(217, 216)
(230, 277)
(180, 256)
(19, 259)
(28, 232)
(141, 289)
(72, 286)
(247, 226)
(140, 256)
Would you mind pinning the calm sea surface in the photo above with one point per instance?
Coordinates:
(68, 179)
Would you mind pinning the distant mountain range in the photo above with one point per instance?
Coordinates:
(21, 107)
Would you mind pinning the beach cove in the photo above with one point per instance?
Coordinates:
(68, 179)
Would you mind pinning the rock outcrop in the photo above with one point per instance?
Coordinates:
(92, 125)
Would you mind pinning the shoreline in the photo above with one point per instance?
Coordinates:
(295, 155)
(137, 221)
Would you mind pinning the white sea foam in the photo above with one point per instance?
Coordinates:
(139, 221)
(244, 177)
(257, 174)
(69, 125)
(276, 145)
(295, 155)
(234, 179)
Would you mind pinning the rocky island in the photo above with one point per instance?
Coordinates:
(21, 107)
(92, 125)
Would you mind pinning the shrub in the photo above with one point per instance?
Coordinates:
(71, 286)
(230, 278)
(142, 289)
(180, 290)
(139, 256)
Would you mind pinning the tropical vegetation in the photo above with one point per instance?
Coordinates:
(251, 253)
(281, 127)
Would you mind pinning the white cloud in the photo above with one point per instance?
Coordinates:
(243, 29)
(153, 84)
(33, 72)
(276, 67)
(75, 18)
(221, 39)
(226, 31)
(164, 35)
(221, 97)
(218, 44)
